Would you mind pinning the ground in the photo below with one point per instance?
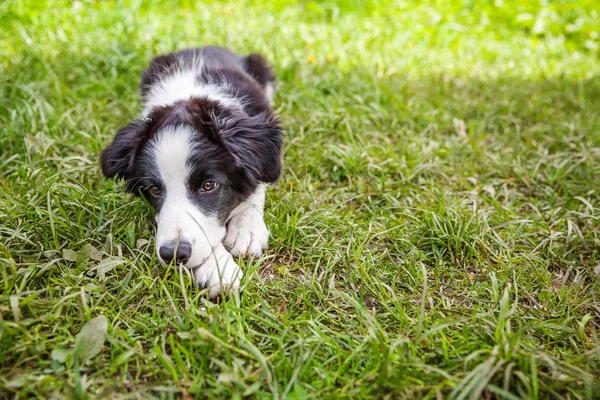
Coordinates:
(435, 232)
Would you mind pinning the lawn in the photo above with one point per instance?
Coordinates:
(435, 232)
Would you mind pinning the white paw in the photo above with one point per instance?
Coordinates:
(218, 273)
(247, 234)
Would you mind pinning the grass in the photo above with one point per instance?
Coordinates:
(435, 233)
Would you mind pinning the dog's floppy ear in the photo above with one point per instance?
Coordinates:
(117, 157)
(255, 143)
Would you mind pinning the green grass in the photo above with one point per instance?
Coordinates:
(435, 232)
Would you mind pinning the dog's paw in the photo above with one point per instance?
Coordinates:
(247, 235)
(219, 273)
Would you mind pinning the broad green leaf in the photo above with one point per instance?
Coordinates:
(89, 341)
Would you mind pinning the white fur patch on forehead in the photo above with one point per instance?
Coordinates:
(181, 84)
(170, 149)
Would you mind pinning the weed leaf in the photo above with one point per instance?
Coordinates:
(69, 255)
(89, 341)
(60, 355)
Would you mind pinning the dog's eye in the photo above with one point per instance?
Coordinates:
(154, 191)
(208, 186)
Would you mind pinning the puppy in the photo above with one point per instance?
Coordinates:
(202, 153)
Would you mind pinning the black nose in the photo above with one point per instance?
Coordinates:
(178, 250)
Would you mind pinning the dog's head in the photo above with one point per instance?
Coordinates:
(194, 161)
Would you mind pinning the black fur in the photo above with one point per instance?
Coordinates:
(257, 66)
(117, 159)
(255, 143)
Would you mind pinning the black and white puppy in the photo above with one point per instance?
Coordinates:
(201, 153)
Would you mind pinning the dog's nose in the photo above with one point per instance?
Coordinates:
(180, 251)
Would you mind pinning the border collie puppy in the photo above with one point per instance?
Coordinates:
(201, 153)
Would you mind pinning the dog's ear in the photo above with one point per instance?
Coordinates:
(255, 143)
(117, 157)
